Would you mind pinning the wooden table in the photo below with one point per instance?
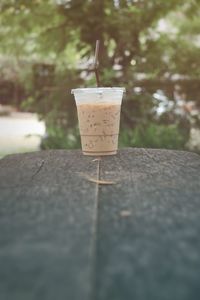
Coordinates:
(115, 228)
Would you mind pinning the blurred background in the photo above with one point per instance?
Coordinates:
(150, 47)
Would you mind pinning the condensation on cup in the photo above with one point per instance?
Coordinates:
(99, 118)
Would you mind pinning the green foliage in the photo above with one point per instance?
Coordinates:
(62, 34)
(27, 104)
(153, 136)
(65, 32)
(58, 138)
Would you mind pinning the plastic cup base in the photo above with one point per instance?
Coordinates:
(99, 153)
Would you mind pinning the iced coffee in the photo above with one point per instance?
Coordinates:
(99, 118)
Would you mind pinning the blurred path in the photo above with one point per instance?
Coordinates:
(20, 132)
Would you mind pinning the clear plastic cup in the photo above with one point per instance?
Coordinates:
(99, 118)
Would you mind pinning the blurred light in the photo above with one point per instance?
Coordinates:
(137, 89)
(127, 52)
(117, 67)
(116, 3)
(133, 62)
(63, 2)
(162, 25)
(159, 95)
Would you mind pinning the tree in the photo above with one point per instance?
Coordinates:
(128, 29)
(63, 33)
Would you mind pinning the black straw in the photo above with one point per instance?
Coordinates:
(96, 62)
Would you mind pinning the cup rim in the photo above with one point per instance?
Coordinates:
(98, 90)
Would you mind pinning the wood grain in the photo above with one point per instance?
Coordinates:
(64, 237)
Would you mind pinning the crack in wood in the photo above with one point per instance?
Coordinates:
(38, 170)
(28, 181)
(94, 240)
